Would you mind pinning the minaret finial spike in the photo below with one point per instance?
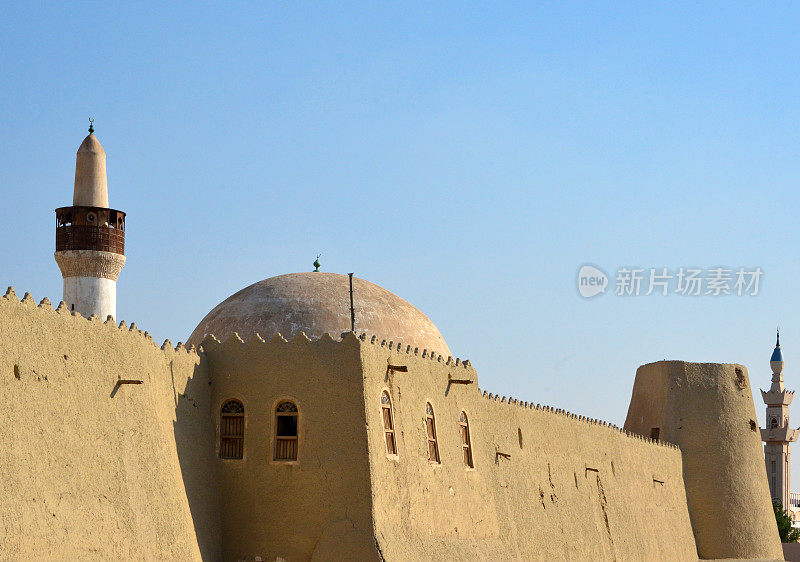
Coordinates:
(91, 125)
(778, 338)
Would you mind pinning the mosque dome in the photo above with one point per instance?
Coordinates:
(317, 303)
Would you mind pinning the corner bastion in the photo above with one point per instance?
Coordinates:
(707, 409)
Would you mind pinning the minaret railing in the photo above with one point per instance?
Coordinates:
(90, 228)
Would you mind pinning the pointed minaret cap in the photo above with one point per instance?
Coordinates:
(91, 185)
(776, 361)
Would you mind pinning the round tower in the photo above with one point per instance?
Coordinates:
(90, 237)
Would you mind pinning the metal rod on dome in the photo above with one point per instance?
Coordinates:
(352, 308)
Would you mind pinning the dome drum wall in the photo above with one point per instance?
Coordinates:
(317, 303)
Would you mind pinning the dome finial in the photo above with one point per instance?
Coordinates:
(778, 339)
(316, 263)
(91, 125)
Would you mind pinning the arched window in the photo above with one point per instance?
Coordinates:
(430, 424)
(466, 445)
(286, 432)
(774, 423)
(231, 430)
(388, 423)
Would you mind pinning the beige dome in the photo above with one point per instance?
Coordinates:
(317, 303)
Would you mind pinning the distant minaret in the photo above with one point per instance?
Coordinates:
(778, 437)
(90, 237)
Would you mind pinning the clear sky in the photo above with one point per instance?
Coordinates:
(468, 157)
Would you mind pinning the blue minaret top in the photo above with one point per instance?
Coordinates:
(777, 355)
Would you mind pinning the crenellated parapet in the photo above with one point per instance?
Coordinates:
(45, 311)
(550, 410)
(231, 343)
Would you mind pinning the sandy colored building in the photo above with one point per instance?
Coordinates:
(278, 433)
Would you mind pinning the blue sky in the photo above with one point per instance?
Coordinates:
(469, 157)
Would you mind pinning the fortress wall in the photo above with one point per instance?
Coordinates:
(707, 409)
(318, 508)
(95, 470)
(572, 489)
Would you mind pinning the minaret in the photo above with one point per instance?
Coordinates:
(778, 437)
(90, 237)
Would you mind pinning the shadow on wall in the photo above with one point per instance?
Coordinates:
(194, 440)
(791, 551)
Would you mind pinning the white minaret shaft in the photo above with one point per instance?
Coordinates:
(90, 237)
(778, 436)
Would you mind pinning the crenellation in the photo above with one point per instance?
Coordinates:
(45, 307)
(544, 408)
(234, 339)
(255, 339)
(302, 338)
(10, 294)
(278, 339)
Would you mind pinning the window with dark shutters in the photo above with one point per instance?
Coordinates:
(231, 430)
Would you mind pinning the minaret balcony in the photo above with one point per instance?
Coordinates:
(90, 228)
(777, 397)
(779, 434)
